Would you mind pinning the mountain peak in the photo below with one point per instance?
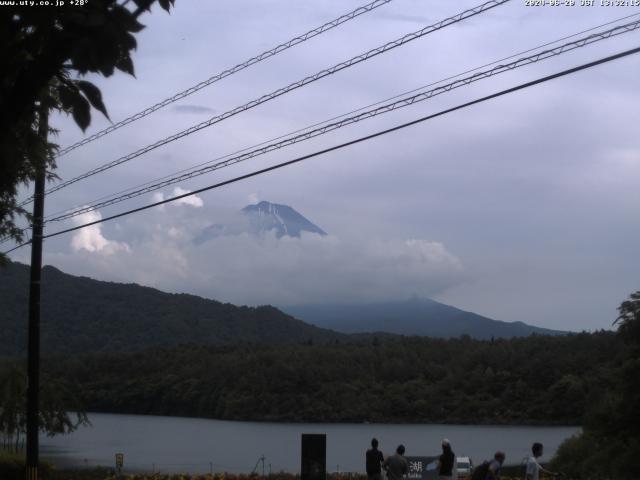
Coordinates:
(261, 218)
(265, 216)
(267, 208)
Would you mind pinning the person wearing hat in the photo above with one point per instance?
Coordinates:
(396, 465)
(446, 462)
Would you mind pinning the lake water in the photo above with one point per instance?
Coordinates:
(194, 445)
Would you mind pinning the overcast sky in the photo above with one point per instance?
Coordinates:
(522, 208)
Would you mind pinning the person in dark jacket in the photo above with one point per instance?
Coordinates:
(396, 465)
(374, 459)
(446, 462)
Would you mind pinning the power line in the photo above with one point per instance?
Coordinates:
(226, 73)
(281, 91)
(266, 142)
(16, 247)
(21, 231)
(358, 140)
(389, 107)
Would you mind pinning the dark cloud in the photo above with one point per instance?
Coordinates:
(399, 17)
(192, 109)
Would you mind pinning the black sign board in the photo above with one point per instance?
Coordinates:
(314, 456)
(422, 468)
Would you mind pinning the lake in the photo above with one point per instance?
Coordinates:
(195, 445)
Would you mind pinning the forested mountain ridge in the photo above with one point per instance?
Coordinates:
(534, 380)
(81, 315)
(416, 316)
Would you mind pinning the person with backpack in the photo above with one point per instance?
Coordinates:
(493, 472)
(374, 459)
(489, 470)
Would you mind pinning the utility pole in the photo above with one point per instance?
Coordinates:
(33, 361)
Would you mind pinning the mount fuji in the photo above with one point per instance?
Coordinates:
(261, 218)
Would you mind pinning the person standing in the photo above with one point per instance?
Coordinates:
(396, 465)
(374, 459)
(495, 465)
(533, 468)
(446, 462)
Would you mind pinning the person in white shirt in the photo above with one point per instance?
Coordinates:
(533, 467)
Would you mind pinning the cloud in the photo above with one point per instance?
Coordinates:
(91, 238)
(312, 269)
(399, 17)
(192, 109)
(158, 197)
(193, 200)
(253, 198)
(245, 269)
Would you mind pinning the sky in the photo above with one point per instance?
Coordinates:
(522, 208)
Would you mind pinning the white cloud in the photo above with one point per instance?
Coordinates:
(193, 200)
(91, 238)
(158, 197)
(245, 269)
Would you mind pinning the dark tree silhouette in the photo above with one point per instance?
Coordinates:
(45, 52)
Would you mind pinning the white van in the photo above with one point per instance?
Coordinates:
(463, 467)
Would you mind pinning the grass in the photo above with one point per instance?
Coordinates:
(12, 468)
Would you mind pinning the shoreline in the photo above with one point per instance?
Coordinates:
(341, 423)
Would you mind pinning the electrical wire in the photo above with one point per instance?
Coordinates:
(135, 187)
(543, 55)
(353, 142)
(346, 144)
(7, 252)
(226, 73)
(281, 91)
(22, 231)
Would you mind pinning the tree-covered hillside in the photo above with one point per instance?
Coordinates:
(81, 315)
(416, 316)
(609, 445)
(535, 380)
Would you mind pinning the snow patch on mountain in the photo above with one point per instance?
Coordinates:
(260, 218)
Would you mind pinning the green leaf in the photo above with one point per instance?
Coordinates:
(82, 55)
(125, 64)
(67, 96)
(93, 95)
(127, 42)
(81, 112)
(165, 4)
(125, 18)
(144, 4)
(133, 25)
(95, 19)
